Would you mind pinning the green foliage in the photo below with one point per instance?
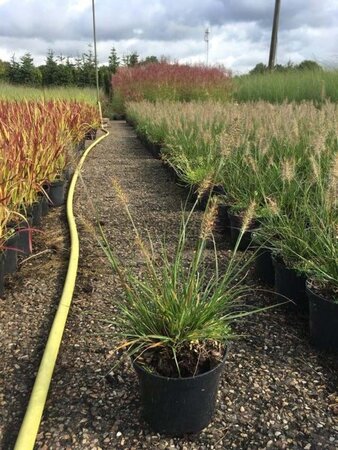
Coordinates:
(4, 70)
(131, 60)
(288, 85)
(113, 61)
(280, 158)
(15, 92)
(175, 302)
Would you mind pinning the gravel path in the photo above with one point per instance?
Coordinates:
(276, 392)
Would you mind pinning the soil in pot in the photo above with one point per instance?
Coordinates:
(236, 223)
(11, 254)
(323, 320)
(178, 406)
(2, 273)
(290, 284)
(57, 192)
(263, 266)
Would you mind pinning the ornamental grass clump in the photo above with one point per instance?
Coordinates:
(176, 316)
(174, 82)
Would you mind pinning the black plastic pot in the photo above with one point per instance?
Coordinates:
(155, 150)
(236, 222)
(91, 135)
(203, 200)
(178, 406)
(263, 266)
(57, 192)
(24, 243)
(35, 212)
(81, 146)
(291, 284)
(2, 273)
(68, 173)
(11, 254)
(44, 201)
(222, 223)
(323, 320)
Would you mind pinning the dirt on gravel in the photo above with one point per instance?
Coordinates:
(276, 392)
(27, 310)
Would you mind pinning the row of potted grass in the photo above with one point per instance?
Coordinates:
(279, 161)
(36, 143)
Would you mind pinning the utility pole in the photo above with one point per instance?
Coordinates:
(273, 45)
(95, 58)
(206, 38)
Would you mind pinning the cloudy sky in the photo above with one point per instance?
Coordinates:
(239, 38)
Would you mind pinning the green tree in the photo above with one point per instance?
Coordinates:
(49, 70)
(150, 60)
(4, 70)
(113, 61)
(14, 71)
(308, 64)
(131, 60)
(259, 68)
(29, 74)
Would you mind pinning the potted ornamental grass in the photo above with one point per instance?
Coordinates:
(316, 248)
(175, 322)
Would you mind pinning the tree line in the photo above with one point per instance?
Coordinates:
(59, 70)
(307, 64)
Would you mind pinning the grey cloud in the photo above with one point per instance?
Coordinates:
(172, 27)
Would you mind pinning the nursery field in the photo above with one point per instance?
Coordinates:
(17, 92)
(297, 85)
(205, 310)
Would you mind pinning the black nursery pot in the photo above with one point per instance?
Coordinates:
(91, 135)
(57, 192)
(155, 150)
(222, 223)
(178, 406)
(68, 173)
(203, 201)
(44, 201)
(81, 146)
(24, 243)
(290, 284)
(35, 212)
(263, 266)
(2, 273)
(10, 255)
(236, 222)
(323, 320)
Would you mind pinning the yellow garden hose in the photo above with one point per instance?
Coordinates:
(31, 422)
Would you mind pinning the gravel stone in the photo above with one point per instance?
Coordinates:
(275, 391)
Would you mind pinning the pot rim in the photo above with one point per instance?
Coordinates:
(183, 379)
(312, 291)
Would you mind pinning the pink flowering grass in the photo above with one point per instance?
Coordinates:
(164, 81)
